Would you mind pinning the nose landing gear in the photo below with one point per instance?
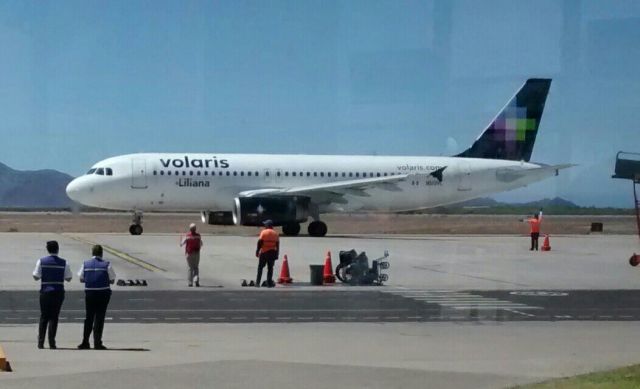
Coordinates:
(136, 224)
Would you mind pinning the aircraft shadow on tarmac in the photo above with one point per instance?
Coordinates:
(108, 349)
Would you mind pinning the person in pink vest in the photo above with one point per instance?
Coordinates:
(192, 243)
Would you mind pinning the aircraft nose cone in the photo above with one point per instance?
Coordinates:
(73, 191)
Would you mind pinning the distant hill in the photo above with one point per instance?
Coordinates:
(33, 189)
(544, 203)
(554, 206)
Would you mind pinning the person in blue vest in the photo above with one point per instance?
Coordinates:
(97, 275)
(52, 271)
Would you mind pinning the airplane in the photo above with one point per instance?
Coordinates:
(247, 189)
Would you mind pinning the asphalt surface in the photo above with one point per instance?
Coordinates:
(362, 305)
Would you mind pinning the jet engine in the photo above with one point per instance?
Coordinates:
(252, 211)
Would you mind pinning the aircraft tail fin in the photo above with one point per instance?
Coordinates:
(512, 133)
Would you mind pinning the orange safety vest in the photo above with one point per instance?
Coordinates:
(535, 225)
(269, 238)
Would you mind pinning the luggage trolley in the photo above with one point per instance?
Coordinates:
(628, 168)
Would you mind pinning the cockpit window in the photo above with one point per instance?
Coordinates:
(91, 171)
(109, 171)
(100, 171)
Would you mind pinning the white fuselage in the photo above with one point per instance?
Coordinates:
(211, 182)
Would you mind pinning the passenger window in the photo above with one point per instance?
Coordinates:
(177, 173)
(293, 174)
(100, 171)
(198, 172)
(257, 174)
(266, 174)
(228, 174)
(190, 172)
(242, 174)
(155, 173)
(329, 174)
(321, 174)
(308, 174)
(168, 172)
(235, 173)
(286, 174)
(249, 174)
(357, 174)
(278, 174)
(162, 172)
(184, 172)
(315, 174)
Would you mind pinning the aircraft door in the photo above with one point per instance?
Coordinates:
(138, 174)
(464, 183)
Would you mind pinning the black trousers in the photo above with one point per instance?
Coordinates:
(267, 259)
(534, 240)
(50, 304)
(96, 302)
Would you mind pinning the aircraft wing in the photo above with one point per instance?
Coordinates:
(334, 191)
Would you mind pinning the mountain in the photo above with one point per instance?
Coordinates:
(489, 202)
(33, 189)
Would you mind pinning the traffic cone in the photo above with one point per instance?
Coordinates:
(327, 274)
(546, 246)
(285, 277)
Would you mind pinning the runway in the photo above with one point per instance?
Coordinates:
(294, 306)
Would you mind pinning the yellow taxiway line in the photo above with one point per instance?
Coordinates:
(124, 256)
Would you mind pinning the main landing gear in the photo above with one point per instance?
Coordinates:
(291, 229)
(136, 224)
(317, 228)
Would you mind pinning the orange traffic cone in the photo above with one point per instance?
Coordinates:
(285, 277)
(327, 274)
(546, 246)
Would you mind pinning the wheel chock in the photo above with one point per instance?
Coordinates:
(130, 283)
(138, 283)
(121, 283)
(251, 283)
(144, 283)
(243, 283)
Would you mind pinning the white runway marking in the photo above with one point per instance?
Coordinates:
(458, 300)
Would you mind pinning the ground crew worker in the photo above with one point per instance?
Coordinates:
(267, 252)
(534, 229)
(193, 244)
(53, 271)
(97, 274)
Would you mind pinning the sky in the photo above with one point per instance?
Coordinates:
(81, 81)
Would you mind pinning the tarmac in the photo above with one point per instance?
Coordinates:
(457, 311)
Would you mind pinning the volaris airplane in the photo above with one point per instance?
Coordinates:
(246, 189)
